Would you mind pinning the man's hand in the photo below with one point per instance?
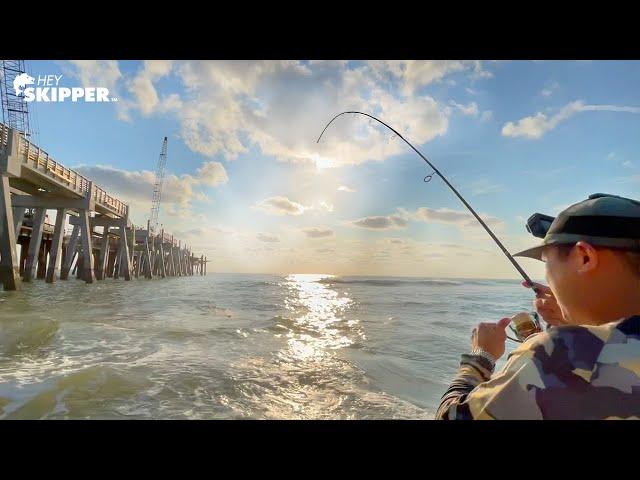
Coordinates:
(546, 305)
(491, 337)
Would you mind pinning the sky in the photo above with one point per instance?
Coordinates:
(248, 186)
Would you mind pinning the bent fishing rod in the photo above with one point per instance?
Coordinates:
(437, 172)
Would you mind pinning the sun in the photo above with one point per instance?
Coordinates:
(322, 162)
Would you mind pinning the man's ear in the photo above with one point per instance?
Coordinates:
(586, 257)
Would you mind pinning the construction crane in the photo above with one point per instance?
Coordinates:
(15, 113)
(157, 188)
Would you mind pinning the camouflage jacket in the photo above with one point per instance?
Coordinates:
(568, 372)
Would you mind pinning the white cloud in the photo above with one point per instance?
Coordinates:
(226, 107)
(142, 88)
(470, 110)
(317, 232)
(279, 206)
(99, 73)
(344, 188)
(136, 187)
(212, 174)
(415, 74)
(94, 73)
(537, 125)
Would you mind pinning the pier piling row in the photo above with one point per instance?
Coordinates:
(31, 182)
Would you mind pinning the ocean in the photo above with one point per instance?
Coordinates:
(240, 346)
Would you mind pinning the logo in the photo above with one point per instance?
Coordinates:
(48, 89)
(22, 81)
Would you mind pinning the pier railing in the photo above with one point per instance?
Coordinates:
(40, 160)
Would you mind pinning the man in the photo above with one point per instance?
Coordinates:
(587, 365)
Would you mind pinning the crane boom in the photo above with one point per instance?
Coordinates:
(157, 188)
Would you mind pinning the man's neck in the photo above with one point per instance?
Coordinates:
(612, 312)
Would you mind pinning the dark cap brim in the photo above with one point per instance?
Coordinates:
(534, 252)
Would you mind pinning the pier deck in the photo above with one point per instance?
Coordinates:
(32, 182)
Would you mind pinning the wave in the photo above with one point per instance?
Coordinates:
(389, 283)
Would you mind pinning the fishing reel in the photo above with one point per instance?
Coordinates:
(526, 324)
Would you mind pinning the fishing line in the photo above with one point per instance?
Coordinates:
(428, 179)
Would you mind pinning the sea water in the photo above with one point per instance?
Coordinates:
(233, 346)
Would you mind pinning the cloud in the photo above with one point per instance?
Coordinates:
(486, 116)
(141, 86)
(324, 206)
(379, 222)
(136, 187)
(99, 73)
(267, 238)
(454, 217)
(94, 73)
(401, 219)
(548, 91)
(537, 125)
(470, 110)
(415, 74)
(227, 107)
(317, 232)
(280, 206)
(344, 188)
(212, 174)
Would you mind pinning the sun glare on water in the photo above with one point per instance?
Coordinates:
(319, 324)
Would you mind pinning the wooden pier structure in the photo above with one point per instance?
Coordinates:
(103, 242)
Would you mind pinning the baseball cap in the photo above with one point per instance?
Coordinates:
(602, 220)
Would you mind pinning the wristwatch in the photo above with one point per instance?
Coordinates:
(480, 352)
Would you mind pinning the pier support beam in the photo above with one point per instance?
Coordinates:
(87, 273)
(18, 217)
(146, 259)
(34, 244)
(56, 247)
(104, 250)
(70, 253)
(138, 261)
(45, 247)
(8, 255)
(124, 261)
(24, 248)
(161, 258)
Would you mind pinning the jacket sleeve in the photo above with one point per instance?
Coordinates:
(476, 394)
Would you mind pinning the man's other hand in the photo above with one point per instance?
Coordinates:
(546, 305)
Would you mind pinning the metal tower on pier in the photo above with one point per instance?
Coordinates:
(15, 111)
(157, 188)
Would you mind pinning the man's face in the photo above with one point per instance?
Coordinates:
(562, 279)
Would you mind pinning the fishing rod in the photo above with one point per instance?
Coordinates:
(466, 204)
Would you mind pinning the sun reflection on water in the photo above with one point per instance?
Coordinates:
(317, 323)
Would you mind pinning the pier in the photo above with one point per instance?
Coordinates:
(103, 242)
